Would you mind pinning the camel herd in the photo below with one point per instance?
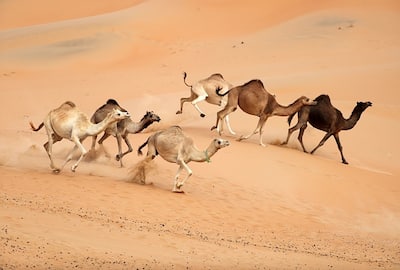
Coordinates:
(68, 122)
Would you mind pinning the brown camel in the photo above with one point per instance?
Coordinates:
(121, 129)
(68, 122)
(253, 99)
(205, 90)
(324, 116)
(175, 147)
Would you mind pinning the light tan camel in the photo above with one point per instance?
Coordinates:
(121, 129)
(175, 147)
(206, 90)
(253, 99)
(68, 122)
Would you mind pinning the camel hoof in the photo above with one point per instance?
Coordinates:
(117, 157)
(202, 115)
(178, 112)
(56, 171)
(214, 127)
(345, 162)
(178, 191)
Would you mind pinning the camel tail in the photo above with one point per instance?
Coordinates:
(218, 92)
(290, 117)
(36, 129)
(139, 151)
(184, 79)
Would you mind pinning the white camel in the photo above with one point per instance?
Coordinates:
(68, 122)
(206, 90)
(175, 147)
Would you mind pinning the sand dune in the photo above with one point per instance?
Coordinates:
(252, 207)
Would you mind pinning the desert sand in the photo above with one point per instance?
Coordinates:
(251, 207)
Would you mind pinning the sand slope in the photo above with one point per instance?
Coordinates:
(251, 207)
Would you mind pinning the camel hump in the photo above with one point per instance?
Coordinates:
(70, 103)
(217, 75)
(323, 98)
(175, 128)
(112, 102)
(255, 82)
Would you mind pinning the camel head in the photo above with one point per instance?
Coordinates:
(119, 114)
(152, 117)
(363, 105)
(220, 143)
(306, 101)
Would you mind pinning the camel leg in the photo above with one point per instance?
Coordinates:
(227, 122)
(184, 100)
(197, 100)
(300, 137)
(229, 125)
(52, 138)
(117, 157)
(321, 143)
(291, 130)
(336, 135)
(102, 139)
(178, 185)
(69, 156)
(260, 124)
(130, 149)
(221, 115)
(49, 149)
(94, 139)
(262, 132)
(79, 145)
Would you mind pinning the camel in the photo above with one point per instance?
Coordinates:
(68, 122)
(253, 99)
(205, 90)
(121, 129)
(324, 116)
(175, 147)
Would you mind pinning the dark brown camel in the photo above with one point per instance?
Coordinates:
(253, 99)
(122, 129)
(324, 116)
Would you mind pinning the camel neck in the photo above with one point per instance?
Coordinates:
(353, 119)
(134, 127)
(201, 156)
(95, 129)
(288, 110)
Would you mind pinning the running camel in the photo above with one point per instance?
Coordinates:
(68, 122)
(206, 90)
(253, 99)
(324, 116)
(121, 129)
(175, 147)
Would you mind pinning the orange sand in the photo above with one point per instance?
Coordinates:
(251, 207)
